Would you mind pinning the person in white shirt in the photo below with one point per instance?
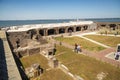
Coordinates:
(78, 48)
(117, 55)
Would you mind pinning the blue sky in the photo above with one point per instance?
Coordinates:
(58, 9)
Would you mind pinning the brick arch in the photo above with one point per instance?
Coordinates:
(103, 25)
(51, 31)
(70, 29)
(41, 32)
(32, 32)
(85, 27)
(113, 26)
(61, 30)
(78, 28)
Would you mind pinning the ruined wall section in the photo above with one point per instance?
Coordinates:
(22, 39)
(27, 42)
(109, 25)
(18, 39)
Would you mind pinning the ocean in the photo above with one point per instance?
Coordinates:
(9, 23)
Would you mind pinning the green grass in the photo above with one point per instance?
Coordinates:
(55, 74)
(85, 66)
(84, 43)
(107, 40)
(36, 58)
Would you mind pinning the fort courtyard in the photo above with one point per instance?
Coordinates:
(46, 51)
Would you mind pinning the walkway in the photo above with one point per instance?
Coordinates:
(108, 35)
(100, 55)
(94, 42)
(94, 33)
(10, 72)
(107, 53)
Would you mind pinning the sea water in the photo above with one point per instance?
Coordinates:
(8, 23)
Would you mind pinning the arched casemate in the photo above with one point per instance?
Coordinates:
(51, 31)
(61, 30)
(85, 27)
(113, 26)
(32, 32)
(78, 28)
(103, 25)
(41, 32)
(70, 29)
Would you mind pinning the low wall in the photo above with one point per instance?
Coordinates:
(115, 25)
(12, 72)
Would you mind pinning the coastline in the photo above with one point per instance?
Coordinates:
(8, 23)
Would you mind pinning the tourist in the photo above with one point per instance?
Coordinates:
(117, 54)
(75, 49)
(78, 48)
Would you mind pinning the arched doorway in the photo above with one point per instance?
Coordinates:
(70, 29)
(32, 33)
(113, 26)
(41, 32)
(78, 28)
(102, 25)
(51, 32)
(61, 30)
(85, 27)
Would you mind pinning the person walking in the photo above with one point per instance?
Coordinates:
(79, 48)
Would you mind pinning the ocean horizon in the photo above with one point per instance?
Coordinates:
(8, 23)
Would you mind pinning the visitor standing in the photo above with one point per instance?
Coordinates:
(117, 55)
(75, 49)
(78, 48)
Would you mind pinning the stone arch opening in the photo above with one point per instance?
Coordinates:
(70, 29)
(61, 30)
(51, 32)
(28, 32)
(113, 26)
(78, 28)
(32, 33)
(41, 32)
(103, 25)
(18, 42)
(85, 27)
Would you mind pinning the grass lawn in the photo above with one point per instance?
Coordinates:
(84, 43)
(36, 58)
(55, 74)
(107, 40)
(86, 67)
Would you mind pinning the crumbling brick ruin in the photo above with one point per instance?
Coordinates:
(28, 42)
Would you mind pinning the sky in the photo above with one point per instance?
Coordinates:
(58, 9)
